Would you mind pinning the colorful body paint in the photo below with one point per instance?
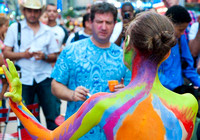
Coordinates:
(128, 53)
(142, 110)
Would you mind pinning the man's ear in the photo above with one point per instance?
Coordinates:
(86, 23)
(90, 21)
(115, 22)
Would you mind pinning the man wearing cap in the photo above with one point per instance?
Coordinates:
(36, 50)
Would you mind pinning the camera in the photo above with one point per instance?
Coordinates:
(126, 15)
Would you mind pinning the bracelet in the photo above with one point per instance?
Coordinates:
(73, 96)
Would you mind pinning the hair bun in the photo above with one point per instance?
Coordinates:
(152, 34)
(161, 42)
(168, 39)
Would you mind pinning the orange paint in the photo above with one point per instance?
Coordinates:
(146, 119)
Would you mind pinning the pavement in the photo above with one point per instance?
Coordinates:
(12, 125)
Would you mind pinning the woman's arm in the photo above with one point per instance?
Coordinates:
(4, 81)
(4, 88)
(74, 127)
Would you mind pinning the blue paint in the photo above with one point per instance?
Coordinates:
(170, 122)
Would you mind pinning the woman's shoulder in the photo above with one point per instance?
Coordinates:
(177, 102)
(183, 103)
(189, 100)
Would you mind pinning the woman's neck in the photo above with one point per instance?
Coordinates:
(144, 70)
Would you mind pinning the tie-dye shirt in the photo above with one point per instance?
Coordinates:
(84, 64)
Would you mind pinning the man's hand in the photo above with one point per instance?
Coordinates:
(39, 55)
(27, 54)
(120, 85)
(15, 92)
(80, 94)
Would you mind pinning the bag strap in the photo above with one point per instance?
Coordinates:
(19, 34)
(76, 36)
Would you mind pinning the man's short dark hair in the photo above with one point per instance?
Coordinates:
(178, 14)
(86, 17)
(127, 4)
(103, 7)
(51, 4)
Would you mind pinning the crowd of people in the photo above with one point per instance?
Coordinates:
(56, 65)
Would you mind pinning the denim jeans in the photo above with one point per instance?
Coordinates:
(49, 103)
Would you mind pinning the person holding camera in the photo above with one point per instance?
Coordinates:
(127, 13)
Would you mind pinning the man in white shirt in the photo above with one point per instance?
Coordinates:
(59, 33)
(38, 48)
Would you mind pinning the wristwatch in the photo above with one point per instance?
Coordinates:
(45, 56)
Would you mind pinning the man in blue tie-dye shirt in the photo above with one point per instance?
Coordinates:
(86, 66)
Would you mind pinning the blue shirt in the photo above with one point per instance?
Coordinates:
(84, 64)
(170, 71)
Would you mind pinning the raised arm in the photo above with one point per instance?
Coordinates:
(74, 127)
(28, 120)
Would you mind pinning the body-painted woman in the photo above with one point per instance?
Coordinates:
(142, 110)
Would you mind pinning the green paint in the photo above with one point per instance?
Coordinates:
(128, 54)
(179, 101)
(12, 77)
(93, 117)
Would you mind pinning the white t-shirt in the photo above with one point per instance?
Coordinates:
(193, 30)
(116, 31)
(59, 34)
(43, 40)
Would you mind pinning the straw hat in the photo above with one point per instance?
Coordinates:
(31, 4)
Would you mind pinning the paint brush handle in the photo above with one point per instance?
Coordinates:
(89, 94)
